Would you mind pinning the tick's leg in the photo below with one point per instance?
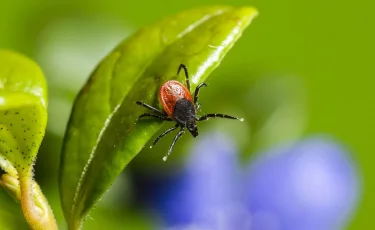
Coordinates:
(197, 106)
(149, 107)
(182, 66)
(163, 134)
(196, 93)
(214, 115)
(182, 131)
(165, 118)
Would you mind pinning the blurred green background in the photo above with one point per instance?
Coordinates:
(314, 57)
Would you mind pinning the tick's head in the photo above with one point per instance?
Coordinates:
(192, 127)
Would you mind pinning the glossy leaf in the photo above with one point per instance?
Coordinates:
(102, 136)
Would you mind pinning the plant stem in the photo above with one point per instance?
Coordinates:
(35, 207)
(76, 225)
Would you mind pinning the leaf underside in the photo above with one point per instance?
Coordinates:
(23, 115)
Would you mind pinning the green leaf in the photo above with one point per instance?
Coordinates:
(102, 136)
(23, 120)
(23, 112)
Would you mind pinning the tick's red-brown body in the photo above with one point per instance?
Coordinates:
(179, 107)
(171, 92)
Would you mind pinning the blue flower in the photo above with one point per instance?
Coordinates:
(311, 185)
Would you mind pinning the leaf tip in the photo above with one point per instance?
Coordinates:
(248, 13)
(250, 10)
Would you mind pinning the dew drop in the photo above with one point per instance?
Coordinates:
(165, 158)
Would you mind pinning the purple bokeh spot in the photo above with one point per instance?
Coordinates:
(307, 186)
(312, 185)
(208, 194)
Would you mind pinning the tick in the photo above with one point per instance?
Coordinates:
(180, 107)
